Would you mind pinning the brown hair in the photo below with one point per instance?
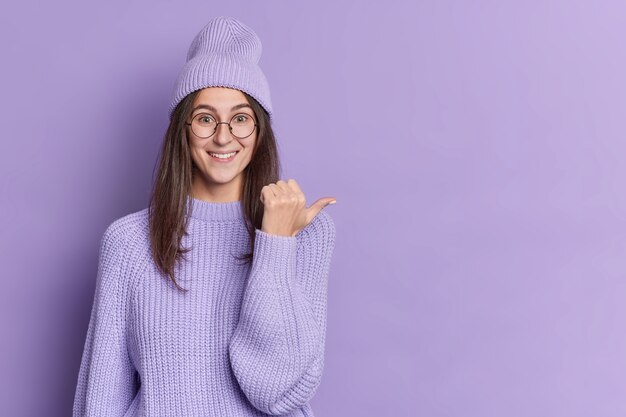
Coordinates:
(173, 180)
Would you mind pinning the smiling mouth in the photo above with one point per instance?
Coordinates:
(223, 156)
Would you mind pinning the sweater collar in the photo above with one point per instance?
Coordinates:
(206, 210)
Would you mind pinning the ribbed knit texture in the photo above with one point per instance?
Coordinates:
(225, 53)
(246, 340)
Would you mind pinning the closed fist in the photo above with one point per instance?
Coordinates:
(285, 212)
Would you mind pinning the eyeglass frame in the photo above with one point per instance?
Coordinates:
(230, 128)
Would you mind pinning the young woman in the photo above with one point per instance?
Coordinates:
(212, 301)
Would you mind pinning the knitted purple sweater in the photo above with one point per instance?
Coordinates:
(245, 340)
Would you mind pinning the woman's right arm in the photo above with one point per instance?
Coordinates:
(107, 380)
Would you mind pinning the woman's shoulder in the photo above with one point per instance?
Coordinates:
(123, 252)
(128, 230)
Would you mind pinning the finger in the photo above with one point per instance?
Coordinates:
(276, 190)
(283, 186)
(266, 193)
(295, 189)
(294, 185)
(318, 206)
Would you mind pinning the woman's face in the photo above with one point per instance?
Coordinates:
(219, 179)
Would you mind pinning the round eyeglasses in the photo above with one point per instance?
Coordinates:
(204, 125)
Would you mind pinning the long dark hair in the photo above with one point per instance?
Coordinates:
(172, 186)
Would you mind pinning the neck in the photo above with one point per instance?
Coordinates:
(216, 192)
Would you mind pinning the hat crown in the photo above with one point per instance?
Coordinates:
(225, 35)
(224, 53)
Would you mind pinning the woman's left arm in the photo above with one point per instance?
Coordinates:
(277, 349)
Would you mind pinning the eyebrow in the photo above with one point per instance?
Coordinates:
(209, 107)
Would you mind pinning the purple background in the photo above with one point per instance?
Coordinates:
(476, 150)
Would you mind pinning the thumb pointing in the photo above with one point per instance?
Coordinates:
(319, 205)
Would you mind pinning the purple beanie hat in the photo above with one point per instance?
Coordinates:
(225, 53)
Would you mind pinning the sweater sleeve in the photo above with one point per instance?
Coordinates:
(277, 349)
(107, 380)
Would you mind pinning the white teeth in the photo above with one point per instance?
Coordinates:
(222, 156)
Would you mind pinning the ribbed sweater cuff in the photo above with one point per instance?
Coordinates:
(275, 254)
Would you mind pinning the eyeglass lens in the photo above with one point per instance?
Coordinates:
(204, 125)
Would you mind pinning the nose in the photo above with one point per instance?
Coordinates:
(222, 133)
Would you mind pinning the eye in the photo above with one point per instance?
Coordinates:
(241, 118)
(204, 119)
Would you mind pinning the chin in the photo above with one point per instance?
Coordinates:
(221, 179)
